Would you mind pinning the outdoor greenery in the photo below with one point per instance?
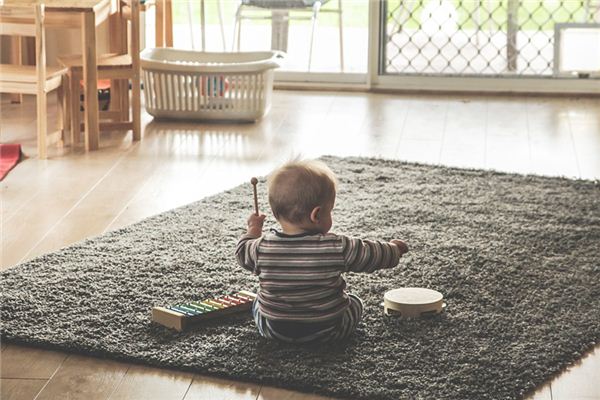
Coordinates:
(355, 13)
(532, 15)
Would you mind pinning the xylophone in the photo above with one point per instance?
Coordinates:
(182, 316)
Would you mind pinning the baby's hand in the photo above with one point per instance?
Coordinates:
(255, 224)
(401, 245)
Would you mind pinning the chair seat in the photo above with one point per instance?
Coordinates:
(27, 73)
(105, 62)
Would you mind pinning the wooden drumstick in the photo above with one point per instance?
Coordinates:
(254, 181)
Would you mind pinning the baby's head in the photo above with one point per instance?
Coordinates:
(302, 194)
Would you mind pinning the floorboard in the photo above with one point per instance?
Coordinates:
(147, 383)
(82, 377)
(47, 204)
(220, 389)
(20, 389)
(21, 362)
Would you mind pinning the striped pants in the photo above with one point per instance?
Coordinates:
(340, 329)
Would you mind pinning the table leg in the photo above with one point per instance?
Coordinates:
(90, 79)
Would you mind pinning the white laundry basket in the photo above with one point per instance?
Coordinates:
(208, 86)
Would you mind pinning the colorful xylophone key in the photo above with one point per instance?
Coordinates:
(182, 316)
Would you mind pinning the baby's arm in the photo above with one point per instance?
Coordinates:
(247, 247)
(371, 255)
(401, 245)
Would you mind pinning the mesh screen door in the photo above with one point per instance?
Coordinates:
(477, 37)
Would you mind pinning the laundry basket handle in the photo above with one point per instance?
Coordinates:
(176, 60)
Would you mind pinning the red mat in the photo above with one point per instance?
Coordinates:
(10, 154)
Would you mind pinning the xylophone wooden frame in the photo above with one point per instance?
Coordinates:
(179, 321)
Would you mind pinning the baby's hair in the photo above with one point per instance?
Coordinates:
(298, 186)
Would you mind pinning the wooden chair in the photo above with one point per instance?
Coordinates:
(121, 66)
(38, 80)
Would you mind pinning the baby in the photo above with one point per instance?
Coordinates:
(301, 297)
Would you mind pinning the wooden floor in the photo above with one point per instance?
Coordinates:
(73, 195)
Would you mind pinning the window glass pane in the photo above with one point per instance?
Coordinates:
(487, 37)
(285, 28)
(578, 41)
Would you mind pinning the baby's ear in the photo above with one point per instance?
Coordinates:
(314, 215)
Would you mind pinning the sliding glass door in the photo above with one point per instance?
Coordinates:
(489, 44)
(482, 45)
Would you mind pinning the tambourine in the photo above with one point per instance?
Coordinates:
(412, 302)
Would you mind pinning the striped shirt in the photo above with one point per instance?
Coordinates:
(300, 275)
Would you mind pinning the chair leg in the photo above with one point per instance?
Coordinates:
(191, 24)
(316, 8)
(60, 93)
(115, 95)
(118, 90)
(124, 100)
(202, 24)
(237, 28)
(66, 106)
(136, 107)
(220, 12)
(239, 36)
(75, 105)
(42, 124)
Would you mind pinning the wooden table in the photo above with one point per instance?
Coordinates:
(84, 14)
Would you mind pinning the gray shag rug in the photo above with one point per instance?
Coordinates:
(517, 258)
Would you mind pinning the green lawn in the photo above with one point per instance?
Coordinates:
(532, 14)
